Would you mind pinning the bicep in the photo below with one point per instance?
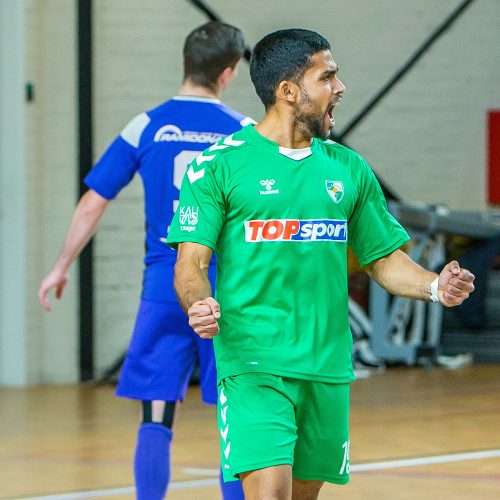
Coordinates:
(395, 261)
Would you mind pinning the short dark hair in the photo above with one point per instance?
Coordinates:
(209, 50)
(283, 55)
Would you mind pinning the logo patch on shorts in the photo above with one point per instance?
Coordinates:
(346, 467)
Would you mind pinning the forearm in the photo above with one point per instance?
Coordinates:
(401, 276)
(82, 227)
(191, 282)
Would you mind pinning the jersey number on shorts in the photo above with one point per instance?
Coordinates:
(345, 464)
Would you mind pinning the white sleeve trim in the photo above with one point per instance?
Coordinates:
(133, 130)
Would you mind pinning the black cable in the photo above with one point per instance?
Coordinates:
(445, 25)
(215, 17)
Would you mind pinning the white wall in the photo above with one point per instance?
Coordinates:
(13, 227)
(426, 139)
(51, 183)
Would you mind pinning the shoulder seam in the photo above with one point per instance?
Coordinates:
(134, 129)
(330, 144)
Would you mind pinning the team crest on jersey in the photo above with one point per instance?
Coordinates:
(335, 189)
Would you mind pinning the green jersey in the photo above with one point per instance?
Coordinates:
(280, 222)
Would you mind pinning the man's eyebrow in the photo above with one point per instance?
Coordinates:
(330, 72)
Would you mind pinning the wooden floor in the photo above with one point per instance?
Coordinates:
(77, 442)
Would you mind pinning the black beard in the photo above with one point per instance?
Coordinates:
(309, 124)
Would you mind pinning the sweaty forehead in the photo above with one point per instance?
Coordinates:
(323, 61)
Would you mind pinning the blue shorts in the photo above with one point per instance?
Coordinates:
(161, 356)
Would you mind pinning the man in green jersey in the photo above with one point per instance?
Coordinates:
(280, 204)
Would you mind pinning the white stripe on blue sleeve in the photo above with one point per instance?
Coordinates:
(133, 130)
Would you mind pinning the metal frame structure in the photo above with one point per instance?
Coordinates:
(405, 330)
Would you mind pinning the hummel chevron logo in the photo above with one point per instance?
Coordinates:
(223, 414)
(222, 397)
(224, 432)
(216, 147)
(226, 143)
(202, 159)
(194, 176)
(229, 141)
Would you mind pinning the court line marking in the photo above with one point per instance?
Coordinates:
(389, 464)
(434, 459)
(178, 485)
(200, 471)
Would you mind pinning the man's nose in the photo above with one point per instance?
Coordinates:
(339, 87)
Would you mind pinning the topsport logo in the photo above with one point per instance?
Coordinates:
(296, 230)
(171, 133)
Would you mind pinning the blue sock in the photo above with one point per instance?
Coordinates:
(232, 490)
(152, 461)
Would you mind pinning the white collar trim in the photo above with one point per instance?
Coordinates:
(196, 99)
(295, 154)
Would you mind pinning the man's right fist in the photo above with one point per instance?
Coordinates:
(203, 316)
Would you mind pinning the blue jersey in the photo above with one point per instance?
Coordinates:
(158, 145)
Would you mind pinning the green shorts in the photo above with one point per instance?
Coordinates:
(267, 420)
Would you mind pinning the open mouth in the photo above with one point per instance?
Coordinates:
(329, 112)
(332, 105)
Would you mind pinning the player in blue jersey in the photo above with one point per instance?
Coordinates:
(158, 145)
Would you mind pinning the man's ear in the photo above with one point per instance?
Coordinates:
(228, 75)
(288, 91)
